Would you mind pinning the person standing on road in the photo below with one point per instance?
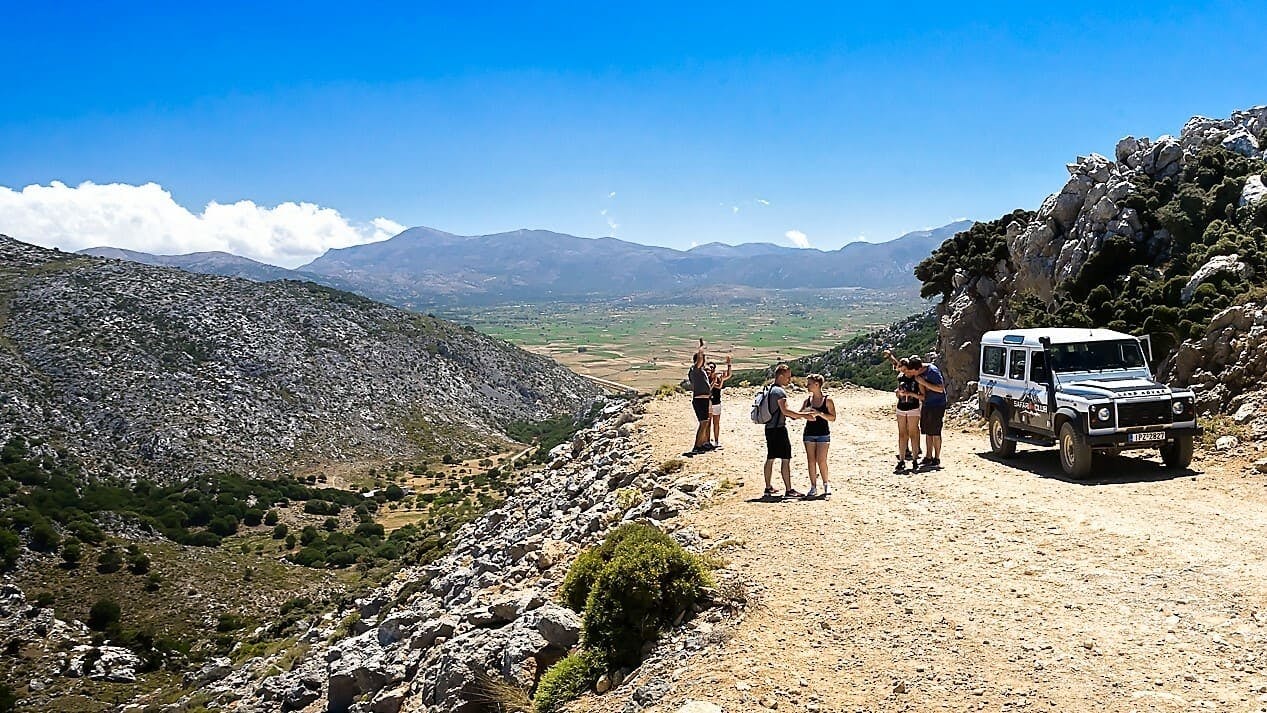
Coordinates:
(908, 411)
(717, 381)
(701, 394)
(777, 444)
(933, 411)
(817, 438)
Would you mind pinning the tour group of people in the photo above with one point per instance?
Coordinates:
(920, 410)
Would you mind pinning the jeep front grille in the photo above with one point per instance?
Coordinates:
(1143, 413)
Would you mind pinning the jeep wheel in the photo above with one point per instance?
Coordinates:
(1075, 454)
(1179, 453)
(998, 436)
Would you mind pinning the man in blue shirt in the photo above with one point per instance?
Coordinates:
(933, 412)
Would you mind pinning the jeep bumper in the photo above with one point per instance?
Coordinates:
(1123, 440)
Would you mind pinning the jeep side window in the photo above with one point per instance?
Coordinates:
(992, 361)
(1016, 369)
(1038, 368)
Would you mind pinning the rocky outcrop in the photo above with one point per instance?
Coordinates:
(1226, 368)
(160, 373)
(486, 611)
(1073, 224)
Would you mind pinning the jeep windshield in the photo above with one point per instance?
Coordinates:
(1118, 355)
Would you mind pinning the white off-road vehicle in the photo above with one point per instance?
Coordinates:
(1084, 390)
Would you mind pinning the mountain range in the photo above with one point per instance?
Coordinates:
(422, 267)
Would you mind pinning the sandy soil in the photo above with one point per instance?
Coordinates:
(986, 585)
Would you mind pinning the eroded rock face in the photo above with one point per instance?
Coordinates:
(1073, 224)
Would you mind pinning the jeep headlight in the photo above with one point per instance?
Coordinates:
(1179, 407)
(1103, 413)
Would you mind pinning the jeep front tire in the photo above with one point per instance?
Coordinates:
(1178, 454)
(1075, 453)
(999, 443)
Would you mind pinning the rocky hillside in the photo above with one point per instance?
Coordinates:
(165, 374)
(1168, 238)
(476, 629)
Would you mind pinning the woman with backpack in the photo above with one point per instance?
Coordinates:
(817, 437)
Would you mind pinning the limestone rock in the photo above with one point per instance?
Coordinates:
(1253, 191)
(1214, 266)
(559, 625)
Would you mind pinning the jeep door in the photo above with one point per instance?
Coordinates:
(1040, 379)
(1028, 400)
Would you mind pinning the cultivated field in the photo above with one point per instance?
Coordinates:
(646, 345)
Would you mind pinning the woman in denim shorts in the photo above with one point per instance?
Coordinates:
(817, 436)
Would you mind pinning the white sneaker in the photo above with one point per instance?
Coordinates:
(813, 492)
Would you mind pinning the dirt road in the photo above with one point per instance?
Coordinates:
(986, 585)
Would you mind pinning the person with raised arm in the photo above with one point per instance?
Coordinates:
(717, 381)
(908, 410)
(701, 394)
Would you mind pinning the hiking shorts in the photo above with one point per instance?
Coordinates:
(930, 419)
(777, 444)
(701, 408)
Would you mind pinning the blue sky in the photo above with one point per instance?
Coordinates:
(847, 121)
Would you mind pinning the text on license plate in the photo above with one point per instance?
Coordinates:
(1143, 437)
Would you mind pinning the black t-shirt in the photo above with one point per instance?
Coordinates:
(699, 381)
(907, 385)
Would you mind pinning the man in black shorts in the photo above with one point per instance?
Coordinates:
(777, 444)
(701, 395)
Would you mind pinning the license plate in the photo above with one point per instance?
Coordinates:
(1145, 437)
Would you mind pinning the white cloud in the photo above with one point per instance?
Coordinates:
(146, 218)
(734, 209)
(603, 212)
(612, 194)
(799, 239)
(763, 201)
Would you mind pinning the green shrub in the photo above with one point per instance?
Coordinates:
(566, 680)
(270, 518)
(8, 699)
(139, 563)
(229, 621)
(280, 531)
(44, 538)
(630, 588)
(72, 552)
(103, 615)
(10, 548)
(109, 560)
(636, 596)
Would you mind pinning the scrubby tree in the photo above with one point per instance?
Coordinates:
(72, 552)
(103, 615)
